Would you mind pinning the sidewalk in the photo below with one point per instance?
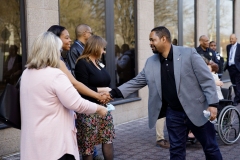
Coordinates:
(135, 141)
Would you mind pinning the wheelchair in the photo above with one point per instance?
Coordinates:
(228, 119)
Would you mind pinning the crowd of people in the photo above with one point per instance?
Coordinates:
(63, 101)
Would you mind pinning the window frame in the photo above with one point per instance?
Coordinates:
(23, 42)
(110, 67)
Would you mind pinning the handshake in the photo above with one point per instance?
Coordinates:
(104, 97)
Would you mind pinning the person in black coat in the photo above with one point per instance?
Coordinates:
(233, 66)
(204, 50)
(213, 46)
(12, 69)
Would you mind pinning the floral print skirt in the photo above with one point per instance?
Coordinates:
(93, 130)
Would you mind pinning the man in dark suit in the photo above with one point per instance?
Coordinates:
(12, 69)
(181, 87)
(213, 46)
(204, 50)
(233, 66)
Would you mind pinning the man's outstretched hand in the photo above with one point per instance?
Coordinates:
(104, 97)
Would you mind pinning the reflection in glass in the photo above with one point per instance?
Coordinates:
(188, 23)
(166, 14)
(212, 20)
(10, 43)
(75, 12)
(226, 24)
(124, 40)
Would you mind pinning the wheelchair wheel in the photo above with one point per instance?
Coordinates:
(229, 124)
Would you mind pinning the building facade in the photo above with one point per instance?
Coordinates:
(124, 24)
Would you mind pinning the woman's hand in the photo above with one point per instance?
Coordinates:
(101, 111)
(104, 97)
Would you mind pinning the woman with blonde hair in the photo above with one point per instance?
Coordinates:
(94, 129)
(47, 107)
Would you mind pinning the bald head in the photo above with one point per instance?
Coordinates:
(233, 39)
(204, 41)
(81, 29)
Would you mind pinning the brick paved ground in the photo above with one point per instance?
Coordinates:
(135, 141)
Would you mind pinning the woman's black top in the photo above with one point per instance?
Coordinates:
(87, 73)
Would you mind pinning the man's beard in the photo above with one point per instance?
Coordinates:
(155, 52)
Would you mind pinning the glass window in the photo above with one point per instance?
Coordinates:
(212, 20)
(75, 12)
(226, 24)
(124, 40)
(188, 23)
(10, 43)
(92, 12)
(166, 14)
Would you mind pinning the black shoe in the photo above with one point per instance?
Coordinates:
(235, 103)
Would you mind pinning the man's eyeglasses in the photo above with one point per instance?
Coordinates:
(90, 32)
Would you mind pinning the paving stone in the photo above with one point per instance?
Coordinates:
(135, 141)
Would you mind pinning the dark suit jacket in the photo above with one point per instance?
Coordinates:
(74, 53)
(236, 58)
(209, 54)
(17, 66)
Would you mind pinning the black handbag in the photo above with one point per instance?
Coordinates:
(10, 106)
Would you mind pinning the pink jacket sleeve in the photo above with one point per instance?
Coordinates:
(69, 96)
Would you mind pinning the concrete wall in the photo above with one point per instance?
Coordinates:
(40, 15)
(237, 18)
(202, 16)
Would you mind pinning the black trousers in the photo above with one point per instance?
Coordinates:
(235, 79)
(67, 157)
(178, 124)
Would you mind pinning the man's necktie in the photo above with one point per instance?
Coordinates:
(231, 52)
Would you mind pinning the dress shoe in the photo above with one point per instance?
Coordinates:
(235, 103)
(163, 143)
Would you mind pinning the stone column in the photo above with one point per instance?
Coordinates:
(40, 15)
(202, 16)
(236, 18)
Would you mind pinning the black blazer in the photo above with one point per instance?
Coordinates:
(236, 58)
(74, 53)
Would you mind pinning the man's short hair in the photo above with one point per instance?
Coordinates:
(200, 38)
(211, 42)
(80, 29)
(162, 31)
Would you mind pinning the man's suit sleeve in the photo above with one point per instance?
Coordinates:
(134, 84)
(204, 77)
(72, 57)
